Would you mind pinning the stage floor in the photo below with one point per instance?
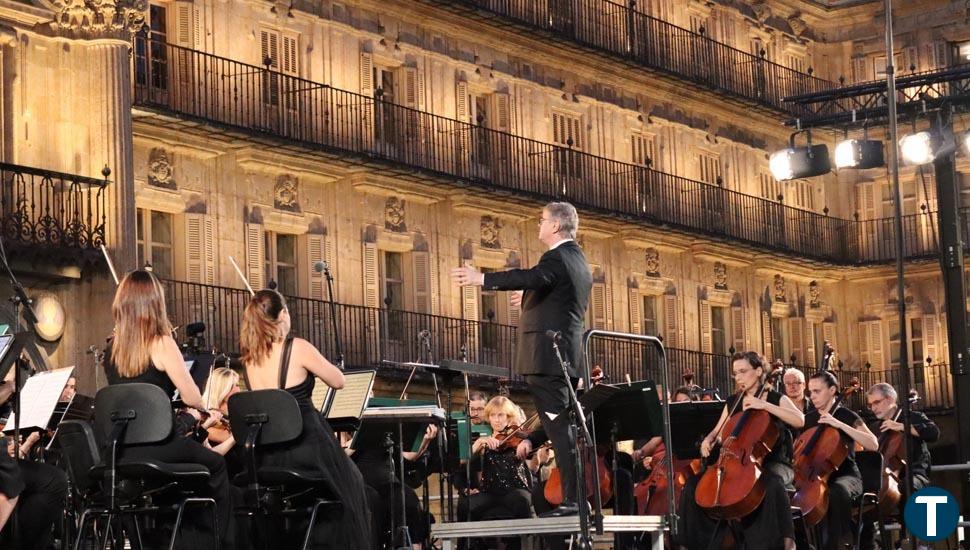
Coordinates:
(448, 533)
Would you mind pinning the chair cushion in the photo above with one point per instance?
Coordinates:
(282, 476)
(155, 471)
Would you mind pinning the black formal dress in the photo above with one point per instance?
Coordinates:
(317, 452)
(845, 485)
(179, 449)
(505, 488)
(556, 296)
(769, 525)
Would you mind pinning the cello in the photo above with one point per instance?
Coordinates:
(819, 452)
(892, 447)
(733, 488)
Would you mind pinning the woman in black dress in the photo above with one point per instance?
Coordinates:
(770, 526)
(845, 484)
(265, 343)
(143, 351)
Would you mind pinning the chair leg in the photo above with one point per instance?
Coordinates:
(80, 528)
(178, 525)
(313, 521)
(107, 531)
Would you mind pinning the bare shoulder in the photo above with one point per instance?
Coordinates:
(162, 347)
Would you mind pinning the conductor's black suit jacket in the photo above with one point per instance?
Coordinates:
(556, 296)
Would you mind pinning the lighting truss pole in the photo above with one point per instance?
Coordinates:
(904, 366)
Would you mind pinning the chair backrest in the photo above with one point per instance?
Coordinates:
(870, 466)
(149, 409)
(79, 452)
(276, 410)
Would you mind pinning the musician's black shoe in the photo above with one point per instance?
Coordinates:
(565, 509)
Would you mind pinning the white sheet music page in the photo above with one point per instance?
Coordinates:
(319, 395)
(350, 401)
(39, 397)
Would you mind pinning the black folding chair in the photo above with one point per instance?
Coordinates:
(262, 420)
(122, 490)
(870, 467)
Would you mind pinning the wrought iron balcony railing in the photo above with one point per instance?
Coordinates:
(381, 338)
(206, 87)
(46, 212)
(618, 29)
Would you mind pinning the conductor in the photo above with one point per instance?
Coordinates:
(555, 297)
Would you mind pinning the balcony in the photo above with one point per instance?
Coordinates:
(619, 31)
(383, 339)
(204, 87)
(52, 216)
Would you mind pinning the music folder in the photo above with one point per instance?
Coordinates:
(38, 399)
(343, 408)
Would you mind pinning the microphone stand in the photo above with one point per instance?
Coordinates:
(581, 450)
(333, 318)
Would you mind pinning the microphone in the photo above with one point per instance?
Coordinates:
(554, 335)
(321, 267)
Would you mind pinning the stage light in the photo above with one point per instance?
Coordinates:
(917, 148)
(965, 141)
(50, 317)
(859, 153)
(800, 162)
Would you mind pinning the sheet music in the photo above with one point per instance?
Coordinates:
(350, 401)
(39, 398)
(319, 395)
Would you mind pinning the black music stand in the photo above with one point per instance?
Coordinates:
(691, 421)
(379, 432)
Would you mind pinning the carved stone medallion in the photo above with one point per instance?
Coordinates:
(779, 293)
(490, 232)
(286, 193)
(394, 215)
(814, 295)
(160, 172)
(652, 258)
(720, 276)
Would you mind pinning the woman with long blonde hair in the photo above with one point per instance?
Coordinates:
(222, 384)
(143, 351)
(274, 359)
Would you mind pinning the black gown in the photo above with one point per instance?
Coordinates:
(317, 452)
(765, 528)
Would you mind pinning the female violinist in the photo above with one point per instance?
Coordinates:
(505, 478)
(222, 384)
(845, 483)
(770, 524)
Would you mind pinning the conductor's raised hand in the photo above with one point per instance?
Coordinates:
(467, 276)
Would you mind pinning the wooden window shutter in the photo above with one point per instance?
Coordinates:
(515, 312)
(860, 70)
(367, 74)
(255, 256)
(828, 333)
(209, 249)
(462, 110)
(197, 28)
(195, 248)
(609, 307)
(598, 299)
(811, 357)
(944, 351)
(421, 281)
(671, 330)
(184, 24)
(737, 328)
(372, 294)
(291, 55)
(796, 334)
(410, 87)
(875, 346)
(435, 289)
(469, 313)
(766, 334)
(931, 340)
(269, 48)
(705, 317)
(316, 252)
(865, 351)
(502, 121)
(636, 317)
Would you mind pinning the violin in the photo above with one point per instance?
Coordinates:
(733, 488)
(892, 447)
(819, 451)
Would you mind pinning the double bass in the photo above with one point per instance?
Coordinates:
(892, 447)
(819, 452)
(733, 488)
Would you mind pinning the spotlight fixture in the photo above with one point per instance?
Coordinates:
(859, 153)
(965, 141)
(800, 162)
(917, 148)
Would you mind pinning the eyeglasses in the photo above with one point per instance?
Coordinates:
(543, 220)
(876, 402)
(795, 383)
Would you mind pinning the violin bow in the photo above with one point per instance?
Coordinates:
(111, 265)
(241, 276)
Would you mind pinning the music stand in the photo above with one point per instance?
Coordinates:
(691, 422)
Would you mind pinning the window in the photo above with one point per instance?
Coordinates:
(651, 322)
(644, 150)
(802, 194)
(567, 132)
(392, 292)
(917, 349)
(479, 104)
(384, 81)
(280, 254)
(154, 238)
(778, 346)
(770, 187)
(489, 308)
(281, 51)
(151, 67)
(710, 168)
(719, 338)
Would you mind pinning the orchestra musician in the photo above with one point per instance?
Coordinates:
(770, 526)
(143, 351)
(476, 408)
(222, 384)
(556, 295)
(882, 400)
(505, 479)
(794, 380)
(845, 484)
(275, 359)
(36, 490)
